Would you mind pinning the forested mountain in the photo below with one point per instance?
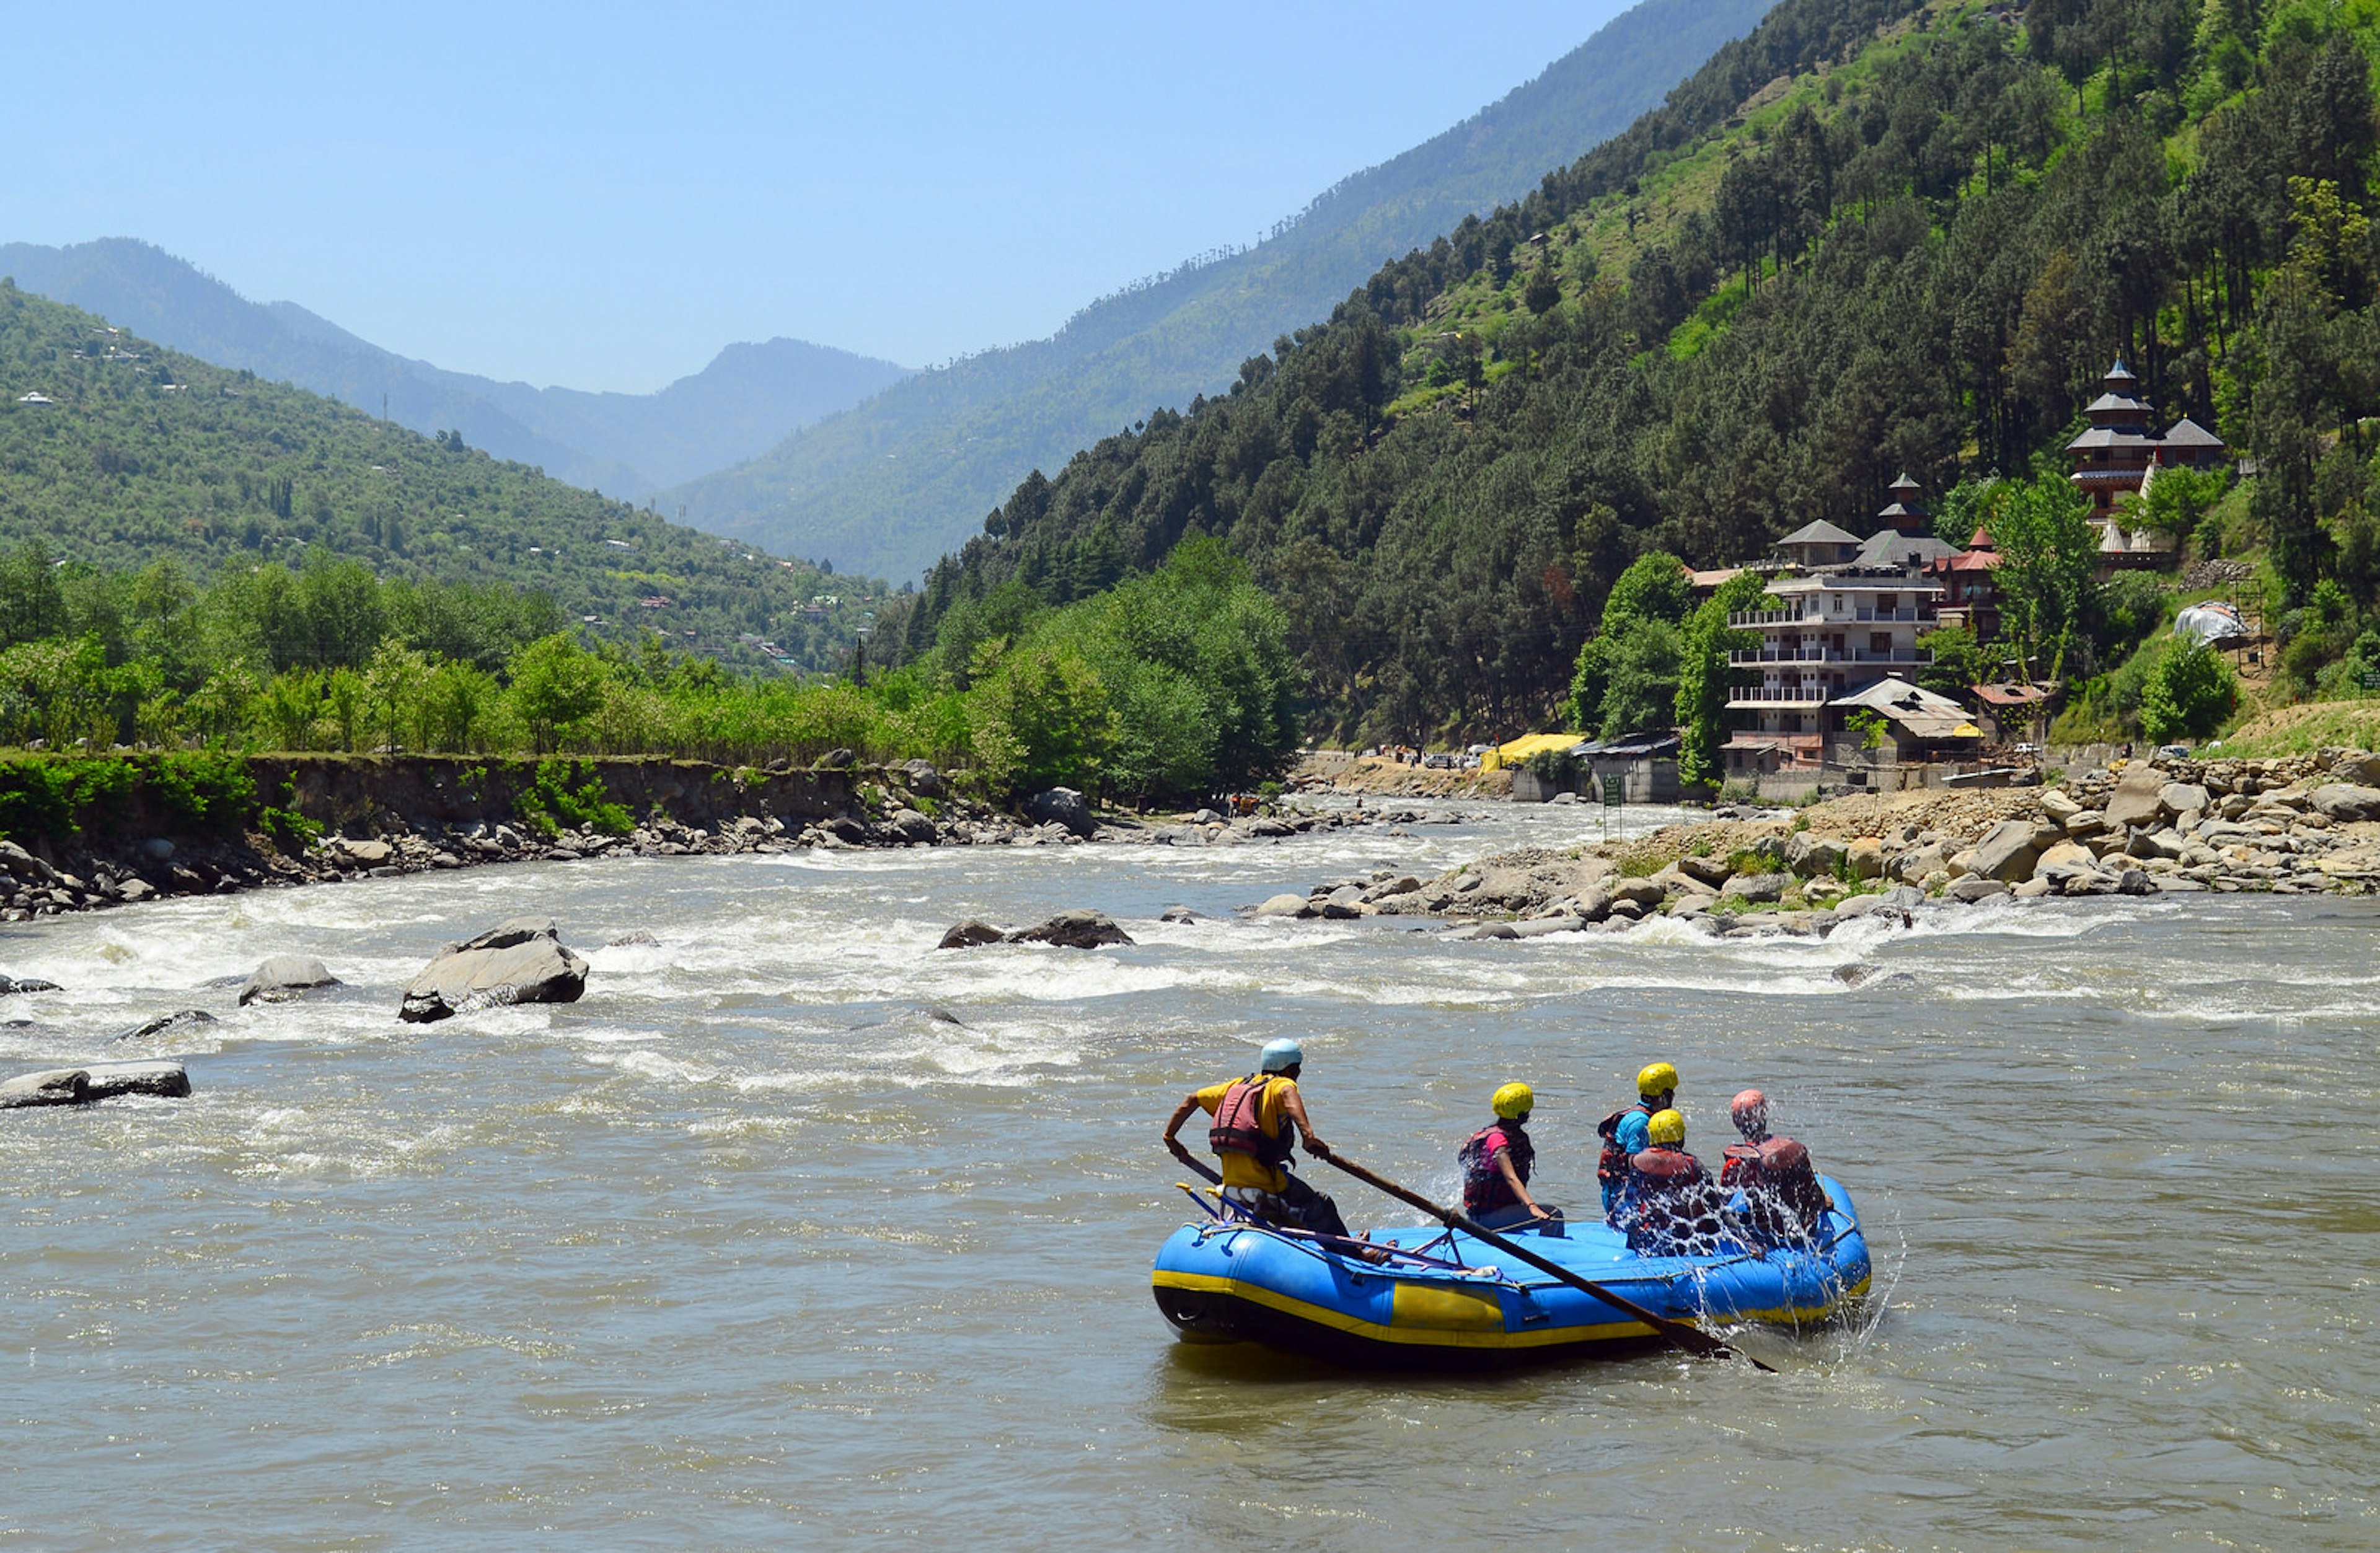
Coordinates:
(1874, 235)
(890, 485)
(628, 444)
(119, 452)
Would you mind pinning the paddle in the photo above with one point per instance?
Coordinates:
(1693, 1340)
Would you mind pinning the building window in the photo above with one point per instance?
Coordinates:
(1879, 641)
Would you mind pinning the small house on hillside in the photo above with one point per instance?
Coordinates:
(1893, 723)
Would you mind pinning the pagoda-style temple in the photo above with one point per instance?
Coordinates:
(2118, 454)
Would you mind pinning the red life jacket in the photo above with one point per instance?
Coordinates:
(1238, 1129)
(1672, 1207)
(1484, 1186)
(1612, 1168)
(1780, 1186)
(1739, 1166)
(1785, 1172)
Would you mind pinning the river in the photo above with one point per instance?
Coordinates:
(753, 1247)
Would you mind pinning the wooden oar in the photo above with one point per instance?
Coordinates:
(1691, 1339)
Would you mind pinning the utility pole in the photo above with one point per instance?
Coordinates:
(860, 660)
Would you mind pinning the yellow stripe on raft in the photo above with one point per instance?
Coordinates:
(1427, 1337)
(1473, 1320)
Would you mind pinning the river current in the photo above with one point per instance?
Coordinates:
(796, 1232)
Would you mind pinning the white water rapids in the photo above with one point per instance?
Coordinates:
(751, 1248)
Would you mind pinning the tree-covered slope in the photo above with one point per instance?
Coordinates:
(890, 485)
(628, 444)
(117, 452)
(1874, 235)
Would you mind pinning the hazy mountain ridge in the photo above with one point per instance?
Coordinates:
(888, 486)
(628, 444)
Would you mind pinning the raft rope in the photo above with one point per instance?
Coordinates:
(1231, 1218)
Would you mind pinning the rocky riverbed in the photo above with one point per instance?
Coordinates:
(2165, 826)
(896, 807)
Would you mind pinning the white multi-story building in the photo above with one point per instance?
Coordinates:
(1828, 635)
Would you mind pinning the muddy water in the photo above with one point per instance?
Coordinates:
(755, 1247)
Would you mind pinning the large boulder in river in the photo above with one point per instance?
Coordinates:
(1074, 930)
(971, 934)
(521, 962)
(98, 1081)
(283, 979)
(1062, 806)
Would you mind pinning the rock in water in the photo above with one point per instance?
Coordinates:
(971, 934)
(283, 979)
(166, 1023)
(521, 962)
(1065, 807)
(164, 1078)
(638, 940)
(59, 1086)
(1182, 916)
(1075, 929)
(11, 986)
(1283, 904)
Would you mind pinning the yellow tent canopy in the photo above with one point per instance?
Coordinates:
(1520, 750)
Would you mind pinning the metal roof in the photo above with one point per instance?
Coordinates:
(1920, 711)
(1819, 533)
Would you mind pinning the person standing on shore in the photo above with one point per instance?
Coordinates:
(1657, 1089)
(1496, 1162)
(1784, 1202)
(1257, 1120)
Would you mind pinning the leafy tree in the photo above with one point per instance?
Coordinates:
(2187, 695)
(1704, 677)
(1642, 694)
(1958, 662)
(1043, 718)
(555, 684)
(2047, 554)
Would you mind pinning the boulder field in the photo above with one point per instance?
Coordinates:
(2168, 825)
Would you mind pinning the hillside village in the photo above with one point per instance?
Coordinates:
(1846, 673)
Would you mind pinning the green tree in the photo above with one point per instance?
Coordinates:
(1657, 588)
(1958, 663)
(1643, 692)
(2042, 530)
(556, 683)
(1041, 717)
(2188, 694)
(1705, 677)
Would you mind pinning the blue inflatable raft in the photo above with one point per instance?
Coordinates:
(1446, 1301)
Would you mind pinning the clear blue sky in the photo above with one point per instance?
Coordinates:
(602, 195)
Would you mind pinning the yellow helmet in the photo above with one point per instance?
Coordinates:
(1658, 1079)
(1667, 1126)
(1515, 1102)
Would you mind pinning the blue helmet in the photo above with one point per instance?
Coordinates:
(1282, 1055)
(1635, 1133)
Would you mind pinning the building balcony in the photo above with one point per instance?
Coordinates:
(1780, 696)
(1756, 657)
(1758, 620)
